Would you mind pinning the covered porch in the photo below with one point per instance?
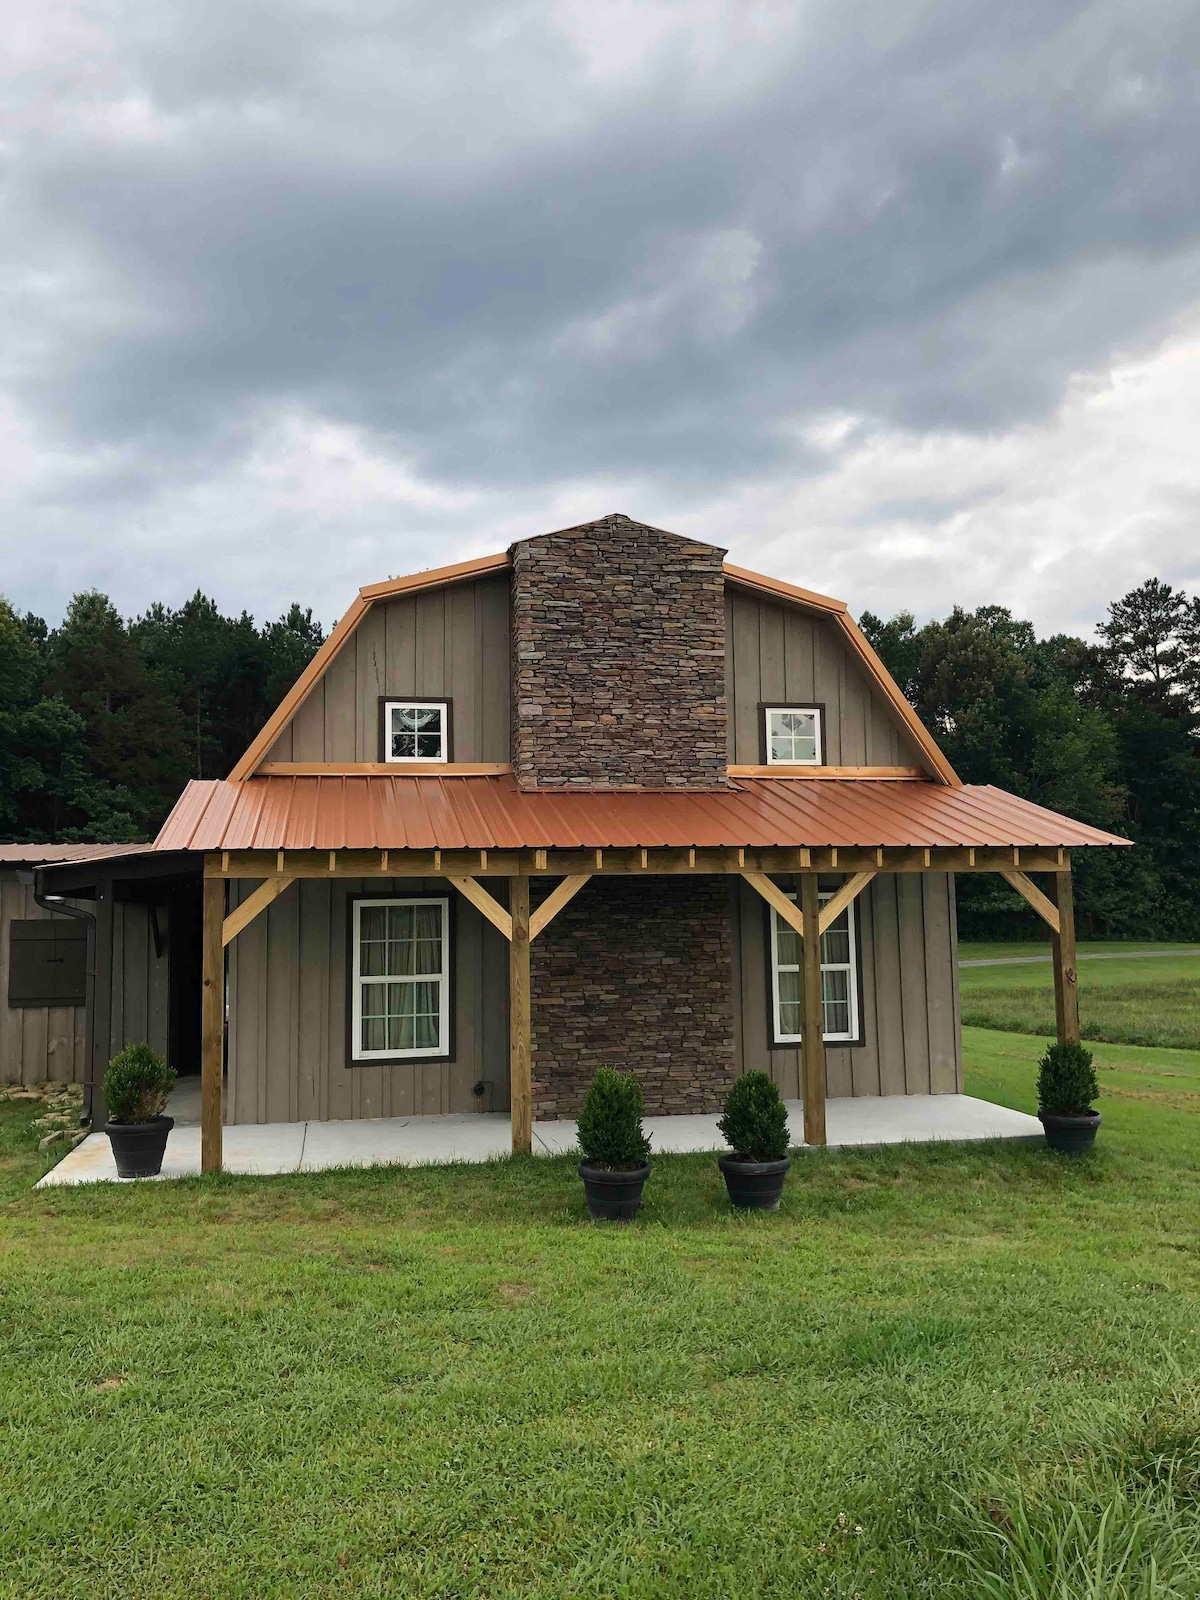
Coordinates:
(270, 1149)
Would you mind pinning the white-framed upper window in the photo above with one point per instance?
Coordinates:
(793, 736)
(839, 979)
(416, 730)
(401, 979)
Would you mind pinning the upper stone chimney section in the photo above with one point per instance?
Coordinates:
(618, 659)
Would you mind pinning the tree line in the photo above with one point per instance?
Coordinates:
(103, 720)
(1107, 732)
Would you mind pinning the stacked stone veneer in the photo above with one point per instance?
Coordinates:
(635, 973)
(618, 659)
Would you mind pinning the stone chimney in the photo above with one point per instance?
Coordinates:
(618, 659)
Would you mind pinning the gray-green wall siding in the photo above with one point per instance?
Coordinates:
(450, 643)
(287, 993)
(288, 1056)
(48, 1042)
(774, 652)
(908, 956)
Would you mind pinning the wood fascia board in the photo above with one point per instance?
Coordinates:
(300, 691)
(777, 589)
(864, 774)
(903, 712)
(436, 577)
(383, 769)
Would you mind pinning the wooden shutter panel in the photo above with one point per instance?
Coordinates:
(47, 963)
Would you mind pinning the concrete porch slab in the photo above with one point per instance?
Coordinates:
(275, 1147)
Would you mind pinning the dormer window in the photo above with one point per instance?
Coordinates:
(416, 730)
(793, 736)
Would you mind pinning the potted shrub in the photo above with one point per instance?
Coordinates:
(755, 1125)
(1067, 1089)
(614, 1146)
(136, 1087)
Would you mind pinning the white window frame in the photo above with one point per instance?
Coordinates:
(442, 1048)
(783, 711)
(415, 705)
(855, 1030)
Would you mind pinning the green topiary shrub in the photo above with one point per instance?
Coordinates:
(610, 1124)
(755, 1124)
(1067, 1084)
(137, 1084)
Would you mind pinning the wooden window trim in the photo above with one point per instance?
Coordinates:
(401, 1058)
(405, 762)
(860, 1038)
(764, 743)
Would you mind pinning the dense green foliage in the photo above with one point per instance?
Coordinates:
(933, 1364)
(102, 722)
(1067, 1084)
(610, 1124)
(1108, 733)
(137, 1084)
(755, 1123)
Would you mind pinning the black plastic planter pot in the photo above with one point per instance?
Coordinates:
(754, 1185)
(1070, 1136)
(613, 1196)
(138, 1147)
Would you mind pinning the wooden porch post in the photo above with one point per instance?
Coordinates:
(520, 1085)
(813, 1026)
(1062, 943)
(212, 1026)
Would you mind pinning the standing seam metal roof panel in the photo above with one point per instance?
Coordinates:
(492, 813)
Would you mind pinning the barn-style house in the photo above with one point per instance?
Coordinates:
(601, 799)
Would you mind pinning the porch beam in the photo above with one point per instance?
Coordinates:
(645, 861)
(1062, 945)
(520, 1065)
(1045, 908)
(488, 904)
(212, 1027)
(555, 901)
(813, 1016)
(250, 907)
(775, 897)
(850, 891)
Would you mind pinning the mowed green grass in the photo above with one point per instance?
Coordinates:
(1148, 1000)
(934, 1363)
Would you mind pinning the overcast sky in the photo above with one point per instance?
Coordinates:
(899, 301)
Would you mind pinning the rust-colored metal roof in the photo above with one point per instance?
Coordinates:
(492, 813)
(36, 855)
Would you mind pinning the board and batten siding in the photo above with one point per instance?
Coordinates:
(451, 643)
(47, 1043)
(778, 653)
(37, 1043)
(288, 994)
(908, 999)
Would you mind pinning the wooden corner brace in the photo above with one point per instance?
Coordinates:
(491, 908)
(1042, 904)
(242, 916)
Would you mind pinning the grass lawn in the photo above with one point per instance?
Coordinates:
(1148, 1000)
(934, 1363)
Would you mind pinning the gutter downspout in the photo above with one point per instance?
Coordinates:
(56, 903)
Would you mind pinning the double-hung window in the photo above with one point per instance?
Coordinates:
(839, 979)
(416, 730)
(792, 736)
(401, 979)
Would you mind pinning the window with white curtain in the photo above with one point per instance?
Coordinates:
(839, 979)
(401, 980)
